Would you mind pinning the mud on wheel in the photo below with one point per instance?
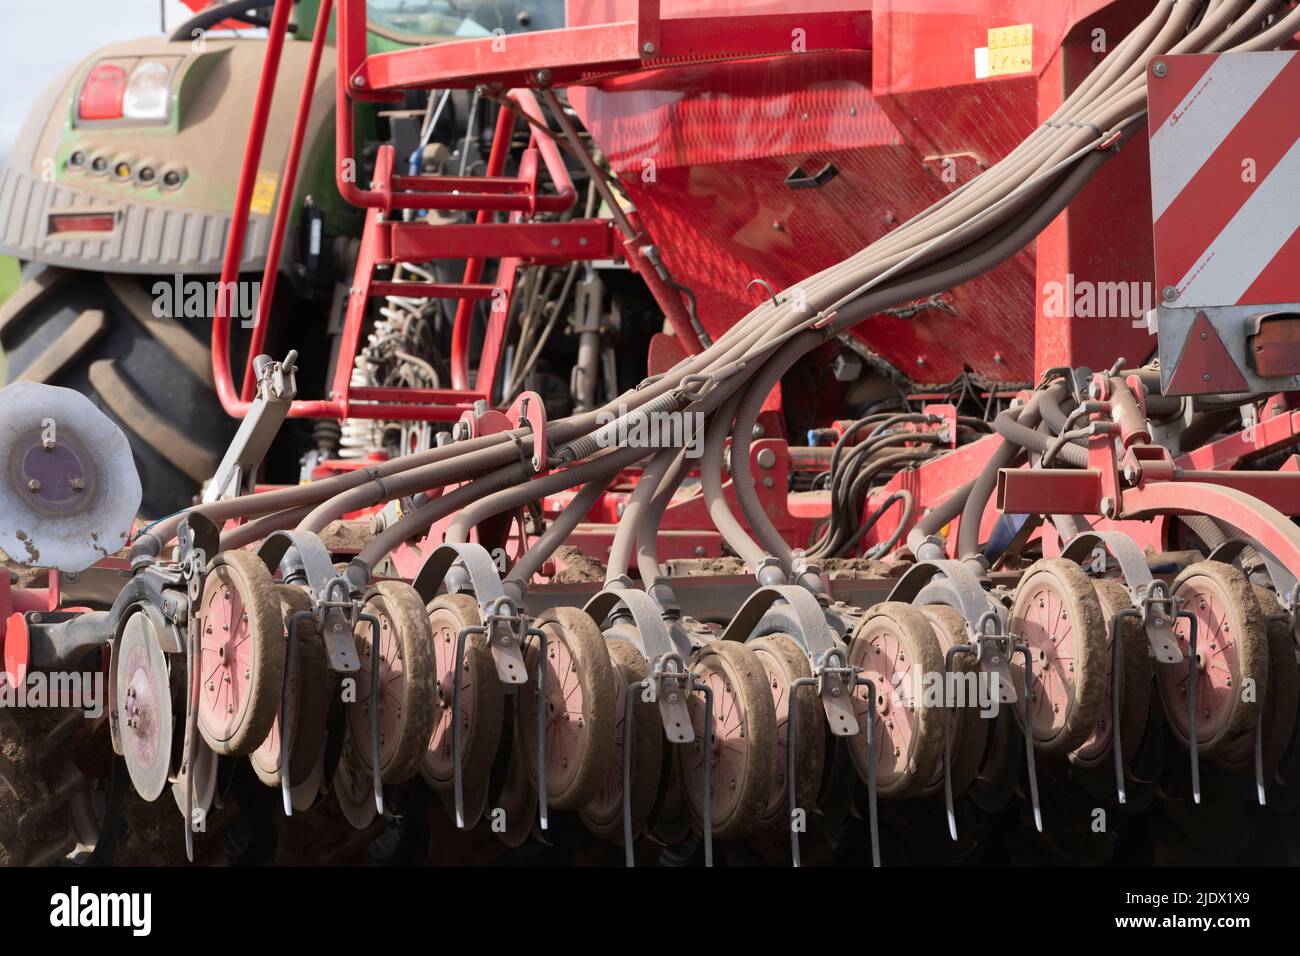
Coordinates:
(968, 728)
(783, 663)
(309, 699)
(1135, 687)
(1057, 614)
(406, 682)
(897, 648)
(743, 756)
(580, 693)
(241, 653)
(1280, 698)
(603, 813)
(482, 704)
(1231, 649)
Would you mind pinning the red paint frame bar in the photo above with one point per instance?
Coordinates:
(580, 239)
(1071, 491)
(576, 53)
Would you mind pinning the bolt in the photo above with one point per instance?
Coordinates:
(648, 48)
(544, 77)
(78, 484)
(766, 458)
(1161, 68)
(359, 81)
(1205, 377)
(699, 550)
(1169, 293)
(33, 485)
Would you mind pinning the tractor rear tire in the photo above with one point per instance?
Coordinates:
(98, 333)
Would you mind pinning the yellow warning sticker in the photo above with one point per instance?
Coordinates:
(1011, 50)
(264, 193)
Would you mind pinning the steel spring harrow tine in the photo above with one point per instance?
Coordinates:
(1116, 678)
(375, 771)
(873, 823)
(1029, 736)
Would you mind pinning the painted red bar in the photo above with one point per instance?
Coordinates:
(1075, 491)
(579, 239)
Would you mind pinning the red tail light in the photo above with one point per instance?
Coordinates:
(101, 94)
(81, 222)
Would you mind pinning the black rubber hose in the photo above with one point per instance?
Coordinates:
(238, 10)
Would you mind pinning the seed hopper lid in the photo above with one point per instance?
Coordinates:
(69, 489)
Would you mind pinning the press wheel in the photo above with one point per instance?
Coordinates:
(1135, 691)
(970, 727)
(353, 787)
(744, 740)
(1056, 612)
(145, 707)
(309, 698)
(784, 662)
(241, 647)
(1231, 648)
(482, 704)
(580, 693)
(896, 648)
(1281, 697)
(406, 680)
(603, 813)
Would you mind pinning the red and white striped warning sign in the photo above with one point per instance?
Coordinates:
(1225, 178)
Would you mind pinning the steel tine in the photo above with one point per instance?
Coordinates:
(1029, 737)
(948, 803)
(1191, 704)
(873, 822)
(1116, 681)
(376, 772)
(458, 784)
(707, 810)
(791, 736)
(628, 713)
(541, 725)
(290, 663)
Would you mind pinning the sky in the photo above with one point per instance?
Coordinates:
(41, 38)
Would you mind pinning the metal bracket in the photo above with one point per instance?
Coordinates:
(276, 389)
(1150, 596)
(795, 611)
(502, 618)
(659, 645)
(303, 558)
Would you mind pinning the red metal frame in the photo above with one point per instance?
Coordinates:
(918, 64)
